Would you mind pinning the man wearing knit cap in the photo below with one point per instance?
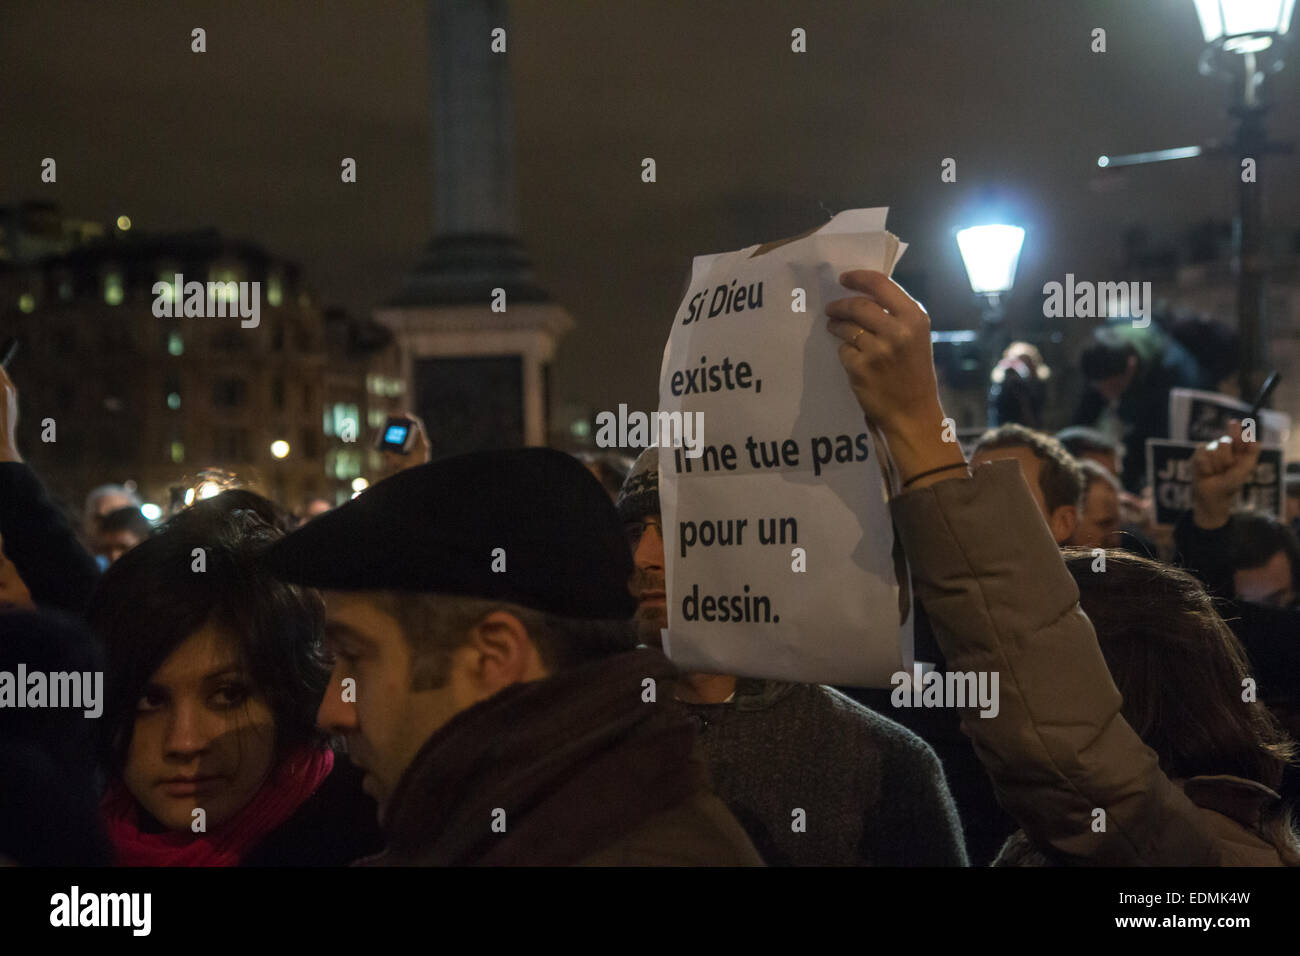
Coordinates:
(872, 792)
(486, 678)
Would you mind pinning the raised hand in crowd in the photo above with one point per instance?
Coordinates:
(887, 355)
(1062, 743)
(1222, 467)
(421, 451)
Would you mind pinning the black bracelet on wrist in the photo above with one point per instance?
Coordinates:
(935, 471)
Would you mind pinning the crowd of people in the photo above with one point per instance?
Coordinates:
(463, 664)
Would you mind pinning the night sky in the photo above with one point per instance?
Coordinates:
(749, 138)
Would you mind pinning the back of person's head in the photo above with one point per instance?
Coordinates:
(48, 782)
(1107, 356)
(1254, 543)
(1181, 671)
(1060, 478)
(198, 569)
(1080, 441)
(106, 498)
(129, 520)
(1094, 472)
(242, 499)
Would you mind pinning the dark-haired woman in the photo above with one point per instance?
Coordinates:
(214, 678)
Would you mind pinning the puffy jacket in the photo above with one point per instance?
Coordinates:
(989, 574)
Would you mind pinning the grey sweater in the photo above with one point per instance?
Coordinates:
(872, 792)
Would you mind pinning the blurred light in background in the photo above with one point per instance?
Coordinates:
(990, 254)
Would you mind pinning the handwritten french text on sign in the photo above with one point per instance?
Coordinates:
(781, 559)
(1170, 473)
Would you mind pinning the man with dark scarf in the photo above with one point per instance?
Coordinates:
(486, 678)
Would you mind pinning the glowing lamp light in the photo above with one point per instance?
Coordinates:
(189, 497)
(208, 489)
(124, 223)
(280, 448)
(360, 484)
(1244, 26)
(991, 254)
(151, 511)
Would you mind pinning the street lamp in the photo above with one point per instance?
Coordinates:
(1244, 26)
(1253, 31)
(1252, 35)
(991, 254)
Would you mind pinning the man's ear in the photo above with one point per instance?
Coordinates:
(1064, 522)
(501, 653)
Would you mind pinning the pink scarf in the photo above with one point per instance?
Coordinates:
(285, 790)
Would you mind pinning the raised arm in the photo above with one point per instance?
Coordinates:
(1001, 601)
(37, 539)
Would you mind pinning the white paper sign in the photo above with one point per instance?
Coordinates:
(781, 558)
(1199, 416)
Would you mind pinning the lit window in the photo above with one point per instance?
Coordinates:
(376, 417)
(27, 302)
(113, 291)
(345, 413)
(347, 464)
(175, 344)
(227, 289)
(169, 291)
(274, 290)
(178, 452)
(173, 400)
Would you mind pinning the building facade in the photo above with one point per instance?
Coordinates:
(113, 392)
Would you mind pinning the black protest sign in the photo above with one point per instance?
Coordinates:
(1170, 474)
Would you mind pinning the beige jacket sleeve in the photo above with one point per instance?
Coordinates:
(1001, 600)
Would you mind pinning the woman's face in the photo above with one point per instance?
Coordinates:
(204, 736)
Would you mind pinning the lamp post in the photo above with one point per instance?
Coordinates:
(991, 254)
(1245, 40)
(1252, 32)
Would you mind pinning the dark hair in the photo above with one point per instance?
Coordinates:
(1254, 538)
(126, 519)
(434, 625)
(1106, 357)
(1080, 440)
(1093, 472)
(241, 499)
(1060, 478)
(1180, 671)
(151, 601)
